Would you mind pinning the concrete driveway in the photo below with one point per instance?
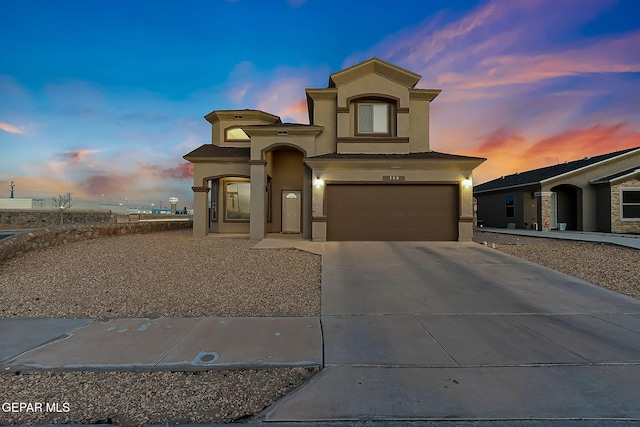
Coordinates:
(458, 331)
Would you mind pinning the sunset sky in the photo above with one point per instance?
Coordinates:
(105, 97)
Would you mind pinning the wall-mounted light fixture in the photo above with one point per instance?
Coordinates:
(318, 183)
(467, 182)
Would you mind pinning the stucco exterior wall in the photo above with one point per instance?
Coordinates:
(204, 171)
(530, 210)
(371, 84)
(325, 115)
(492, 208)
(373, 147)
(410, 118)
(587, 210)
(418, 124)
(263, 143)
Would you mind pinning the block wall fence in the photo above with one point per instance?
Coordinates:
(28, 241)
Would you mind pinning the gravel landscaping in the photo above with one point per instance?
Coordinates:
(136, 399)
(167, 274)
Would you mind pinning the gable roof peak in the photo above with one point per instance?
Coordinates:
(375, 66)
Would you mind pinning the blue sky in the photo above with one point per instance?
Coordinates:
(105, 97)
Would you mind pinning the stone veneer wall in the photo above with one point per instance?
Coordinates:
(545, 203)
(52, 236)
(37, 218)
(618, 226)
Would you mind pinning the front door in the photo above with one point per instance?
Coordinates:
(291, 209)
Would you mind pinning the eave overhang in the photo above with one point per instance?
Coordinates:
(209, 153)
(395, 162)
(283, 130)
(255, 115)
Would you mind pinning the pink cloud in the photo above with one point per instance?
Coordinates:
(96, 185)
(11, 128)
(81, 155)
(509, 152)
(297, 110)
(284, 97)
(605, 57)
(184, 171)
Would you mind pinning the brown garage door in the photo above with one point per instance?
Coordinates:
(392, 212)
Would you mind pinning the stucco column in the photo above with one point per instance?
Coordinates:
(545, 209)
(465, 222)
(257, 225)
(319, 220)
(200, 211)
(306, 203)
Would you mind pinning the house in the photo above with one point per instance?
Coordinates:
(361, 170)
(600, 193)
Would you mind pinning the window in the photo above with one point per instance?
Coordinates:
(374, 118)
(630, 204)
(269, 200)
(236, 134)
(237, 205)
(510, 209)
(213, 201)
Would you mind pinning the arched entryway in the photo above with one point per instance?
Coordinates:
(568, 206)
(285, 192)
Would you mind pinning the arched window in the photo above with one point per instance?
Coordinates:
(236, 134)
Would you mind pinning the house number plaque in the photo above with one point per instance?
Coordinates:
(393, 178)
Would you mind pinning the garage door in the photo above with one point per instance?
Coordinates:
(392, 212)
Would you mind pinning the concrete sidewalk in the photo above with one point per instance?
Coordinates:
(628, 240)
(159, 344)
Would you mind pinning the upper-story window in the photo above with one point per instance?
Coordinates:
(373, 118)
(236, 134)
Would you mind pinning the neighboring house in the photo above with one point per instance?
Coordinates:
(361, 170)
(600, 193)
